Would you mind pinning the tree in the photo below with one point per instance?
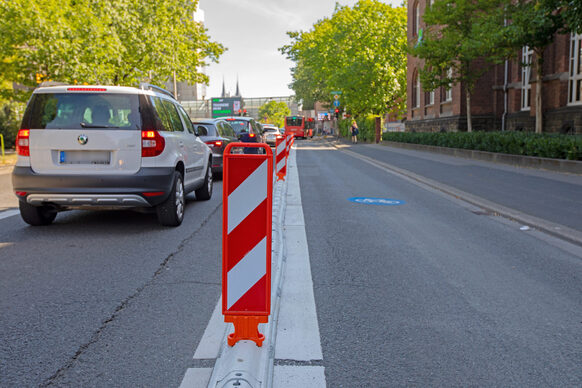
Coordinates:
(458, 33)
(572, 13)
(534, 24)
(360, 50)
(118, 42)
(274, 112)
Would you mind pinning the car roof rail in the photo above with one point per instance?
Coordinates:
(45, 84)
(146, 86)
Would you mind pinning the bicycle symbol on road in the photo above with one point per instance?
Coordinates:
(377, 201)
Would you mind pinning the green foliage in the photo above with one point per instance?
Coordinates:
(459, 32)
(10, 117)
(119, 42)
(572, 13)
(360, 50)
(274, 112)
(509, 142)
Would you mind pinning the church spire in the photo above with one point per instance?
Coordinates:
(223, 89)
(237, 94)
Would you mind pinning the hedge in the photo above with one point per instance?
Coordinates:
(555, 146)
(366, 127)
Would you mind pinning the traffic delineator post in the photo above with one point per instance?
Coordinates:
(281, 158)
(290, 140)
(246, 241)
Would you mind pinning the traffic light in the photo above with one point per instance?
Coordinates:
(244, 112)
(336, 113)
(38, 78)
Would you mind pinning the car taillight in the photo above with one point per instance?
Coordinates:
(23, 143)
(214, 143)
(152, 143)
(252, 135)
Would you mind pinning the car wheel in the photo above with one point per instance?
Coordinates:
(37, 215)
(171, 211)
(204, 193)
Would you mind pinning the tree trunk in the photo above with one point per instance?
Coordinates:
(539, 80)
(469, 120)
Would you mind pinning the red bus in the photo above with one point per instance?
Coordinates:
(299, 126)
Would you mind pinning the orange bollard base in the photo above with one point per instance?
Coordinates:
(246, 328)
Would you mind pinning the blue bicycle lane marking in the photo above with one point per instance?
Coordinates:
(377, 201)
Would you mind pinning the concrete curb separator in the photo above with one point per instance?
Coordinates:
(245, 364)
(557, 230)
(558, 165)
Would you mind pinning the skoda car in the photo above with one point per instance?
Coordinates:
(108, 147)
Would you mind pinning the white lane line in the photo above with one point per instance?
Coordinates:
(298, 376)
(207, 349)
(196, 378)
(211, 341)
(9, 213)
(298, 336)
(298, 330)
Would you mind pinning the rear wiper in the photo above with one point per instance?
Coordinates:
(85, 125)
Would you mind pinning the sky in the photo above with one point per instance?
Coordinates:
(253, 30)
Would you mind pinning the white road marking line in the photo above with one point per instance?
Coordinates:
(298, 335)
(196, 378)
(9, 213)
(298, 376)
(209, 345)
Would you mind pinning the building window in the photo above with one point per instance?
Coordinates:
(429, 98)
(575, 82)
(447, 95)
(415, 19)
(416, 90)
(526, 61)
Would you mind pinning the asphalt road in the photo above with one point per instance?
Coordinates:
(548, 195)
(106, 299)
(428, 293)
(432, 292)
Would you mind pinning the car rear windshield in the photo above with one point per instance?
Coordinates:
(239, 125)
(294, 121)
(83, 110)
(205, 129)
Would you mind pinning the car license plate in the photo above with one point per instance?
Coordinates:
(84, 157)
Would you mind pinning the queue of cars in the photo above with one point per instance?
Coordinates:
(113, 147)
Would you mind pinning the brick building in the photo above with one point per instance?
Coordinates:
(505, 95)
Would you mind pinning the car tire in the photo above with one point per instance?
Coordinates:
(204, 193)
(37, 215)
(171, 211)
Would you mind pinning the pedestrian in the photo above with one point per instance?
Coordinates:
(355, 132)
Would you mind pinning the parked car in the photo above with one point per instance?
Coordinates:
(217, 134)
(103, 147)
(271, 132)
(247, 130)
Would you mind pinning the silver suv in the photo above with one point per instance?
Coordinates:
(104, 147)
